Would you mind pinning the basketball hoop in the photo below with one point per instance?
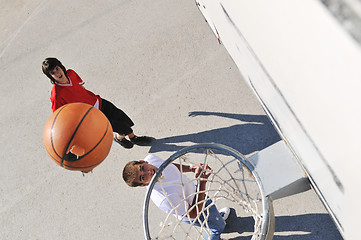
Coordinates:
(232, 183)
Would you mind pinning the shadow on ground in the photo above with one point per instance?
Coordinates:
(254, 133)
(299, 227)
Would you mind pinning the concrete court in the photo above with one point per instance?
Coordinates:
(160, 63)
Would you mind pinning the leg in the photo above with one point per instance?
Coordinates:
(120, 122)
(214, 220)
(122, 125)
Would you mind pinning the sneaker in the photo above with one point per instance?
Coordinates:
(70, 157)
(124, 142)
(224, 212)
(144, 140)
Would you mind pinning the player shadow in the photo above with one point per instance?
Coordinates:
(299, 227)
(254, 133)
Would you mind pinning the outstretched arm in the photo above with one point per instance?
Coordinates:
(201, 172)
(187, 168)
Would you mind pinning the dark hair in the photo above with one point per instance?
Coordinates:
(49, 64)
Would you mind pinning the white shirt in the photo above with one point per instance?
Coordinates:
(174, 196)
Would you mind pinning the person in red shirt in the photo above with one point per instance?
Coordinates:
(68, 88)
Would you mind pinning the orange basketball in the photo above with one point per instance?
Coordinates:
(81, 129)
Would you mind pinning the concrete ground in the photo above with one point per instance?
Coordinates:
(160, 63)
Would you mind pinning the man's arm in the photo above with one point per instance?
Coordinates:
(198, 200)
(186, 168)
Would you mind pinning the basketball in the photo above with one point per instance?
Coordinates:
(81, 129)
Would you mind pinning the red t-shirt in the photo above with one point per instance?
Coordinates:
(72, 92)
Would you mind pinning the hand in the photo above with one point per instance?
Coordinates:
(202, 171)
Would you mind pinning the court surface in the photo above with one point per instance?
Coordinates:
(159, 62)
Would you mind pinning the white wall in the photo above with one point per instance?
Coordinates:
(306, 70)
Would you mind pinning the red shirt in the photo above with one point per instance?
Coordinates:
(72, 92)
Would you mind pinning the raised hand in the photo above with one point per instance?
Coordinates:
(203, 171)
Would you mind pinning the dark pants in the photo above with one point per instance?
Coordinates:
(120, 122)
(214, 220)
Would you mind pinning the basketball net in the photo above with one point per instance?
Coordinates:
(230, 184)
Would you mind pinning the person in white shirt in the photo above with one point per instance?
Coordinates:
(171, 199)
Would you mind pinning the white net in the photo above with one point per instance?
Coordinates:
(230, 183)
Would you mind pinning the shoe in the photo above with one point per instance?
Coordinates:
(144, 140)
(224, 212)
(124, 142)
(70, 157)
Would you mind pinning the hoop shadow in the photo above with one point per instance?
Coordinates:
(255, 133)
(300, 227)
